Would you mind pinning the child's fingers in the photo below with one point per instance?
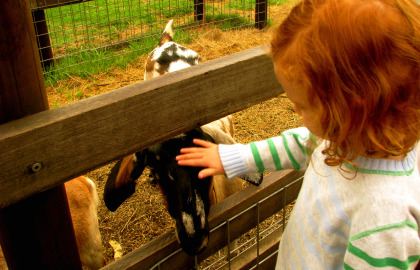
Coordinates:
(203, 143)
(191, 162)
(191, 150)
(189, 155)
(206, 173)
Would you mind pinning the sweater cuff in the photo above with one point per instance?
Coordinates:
(232, 161)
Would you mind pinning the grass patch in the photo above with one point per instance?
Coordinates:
(249, 5)
(228, 21)
(93, 61)
(98, 36)
(94, 21)
(84, 62)
(241, 5)
(277, 2)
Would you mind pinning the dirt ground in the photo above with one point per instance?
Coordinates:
(143, 216)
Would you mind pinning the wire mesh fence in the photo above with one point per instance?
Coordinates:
(260, 239)
(73, 34)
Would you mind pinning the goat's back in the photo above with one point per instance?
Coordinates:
(224, 124)
(223, 188)
(221, 130)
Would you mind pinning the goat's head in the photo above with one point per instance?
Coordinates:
(169, 56)
(186, 197)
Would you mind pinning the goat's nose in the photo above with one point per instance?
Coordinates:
(195, 245)
(193, 240)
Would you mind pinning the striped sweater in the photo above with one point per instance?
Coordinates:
(371, 221)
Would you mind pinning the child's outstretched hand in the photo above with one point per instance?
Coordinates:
(206, 156)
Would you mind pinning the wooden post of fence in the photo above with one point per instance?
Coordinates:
(35, 233)
(44, 43)
(260, 14)
(199, 10)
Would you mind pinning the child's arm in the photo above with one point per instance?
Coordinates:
(288, 151)
(291, 150)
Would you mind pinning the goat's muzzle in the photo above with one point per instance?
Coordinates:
(192, 244)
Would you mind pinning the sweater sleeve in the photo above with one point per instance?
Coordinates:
(291, 150)
(391, 241)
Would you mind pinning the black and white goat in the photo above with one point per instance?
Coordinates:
(169, 56)
(187, 198)
(83, 202)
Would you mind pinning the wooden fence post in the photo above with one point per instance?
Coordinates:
(35, 233)
(199, 11)
(260, 14)
(44, 43)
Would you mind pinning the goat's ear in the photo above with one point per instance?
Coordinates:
(167, 34)
(140, 162)
(253, 178)
(219, 136)
(121, 184)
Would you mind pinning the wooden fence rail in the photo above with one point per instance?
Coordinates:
(73, 139)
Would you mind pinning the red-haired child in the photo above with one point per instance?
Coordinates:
(352, 70)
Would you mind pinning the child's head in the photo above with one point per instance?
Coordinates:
(358, 62)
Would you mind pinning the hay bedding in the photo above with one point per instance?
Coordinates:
(143, 216)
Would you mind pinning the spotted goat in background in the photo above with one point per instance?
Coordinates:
(169, 56)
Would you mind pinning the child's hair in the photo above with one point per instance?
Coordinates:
(359, 62)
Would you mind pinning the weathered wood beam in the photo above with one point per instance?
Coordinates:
(37, 232)
(44, 4)
(70, 140)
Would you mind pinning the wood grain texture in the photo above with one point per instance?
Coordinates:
(44, 4)
(75, 138)
(37, 232)
(22, 84)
